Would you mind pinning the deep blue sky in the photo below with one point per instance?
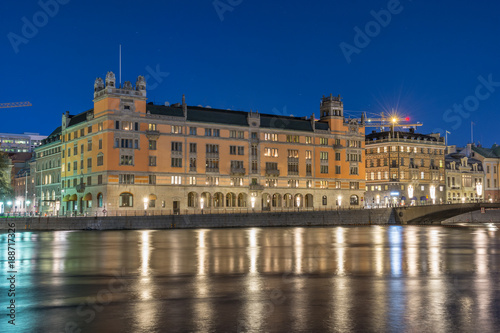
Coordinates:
(273, 56)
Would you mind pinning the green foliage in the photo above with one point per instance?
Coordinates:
(6, 191)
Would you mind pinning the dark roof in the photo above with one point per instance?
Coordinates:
(229, 117)
(402, 135)
(79, 118)
(493, 152)
(457, 157)
(56, 132)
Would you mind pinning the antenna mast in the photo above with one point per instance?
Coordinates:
(120, 75)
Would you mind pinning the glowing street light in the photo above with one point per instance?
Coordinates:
(433, 194)
(479, 190)
(298, 202)
(252, 200)
(339, 199)
(201, 203)
(145, 203)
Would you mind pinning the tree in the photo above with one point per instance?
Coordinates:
(6, 191)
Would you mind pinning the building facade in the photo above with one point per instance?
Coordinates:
(47, 171)
(490, 157)
(464, 177)
(126, 154)
(20, 143)
(404, 168)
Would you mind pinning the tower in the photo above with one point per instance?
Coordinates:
(332, 111)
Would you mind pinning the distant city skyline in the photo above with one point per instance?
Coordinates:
(436, 63)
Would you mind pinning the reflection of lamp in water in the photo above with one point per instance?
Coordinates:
(433, 194)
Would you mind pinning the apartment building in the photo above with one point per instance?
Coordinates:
(490, 158)
(126, 154)
(464, 177)
(404, 168)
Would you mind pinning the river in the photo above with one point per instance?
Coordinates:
(337, 279)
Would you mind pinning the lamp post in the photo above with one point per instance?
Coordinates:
(201, 204)
(410, 194)
(298, 203)
(339, 199)
(145, 200)
(252, 200)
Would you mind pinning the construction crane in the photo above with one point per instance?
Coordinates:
(387, 120)
(14, 105)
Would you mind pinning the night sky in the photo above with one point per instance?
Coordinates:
(272, 56)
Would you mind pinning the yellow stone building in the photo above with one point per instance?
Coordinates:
(127, 155)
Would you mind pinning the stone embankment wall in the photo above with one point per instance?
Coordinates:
(288, 219)
(489, 216)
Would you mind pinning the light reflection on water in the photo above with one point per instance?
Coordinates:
(254, 280)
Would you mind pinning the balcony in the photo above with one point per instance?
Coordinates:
(212, 155)
(80, 188)
(272, 172)
(338, 146)
(256, 187)
(238, 171)
(152, 134)
(434, 167)
(212, 170)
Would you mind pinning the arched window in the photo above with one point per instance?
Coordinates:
(230, 200)
(192, 199)
(126, 199)
(218, 200)
(354, 200)
(242, 200)
(325, 200)
(99, 200)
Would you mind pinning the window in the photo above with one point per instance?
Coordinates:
(323, 169)
(176, 180)
(89, 162)
(337, 169)
(151, 127)
(216, 132)
(89, 181)
(75, 150)
(192, 147)
(212, 149)
(99, 200)
(176, 129)
(323, 184)
(127, 125)
(293, 183)
(176, 162)
(271, 182)
(117, 124)
(89, 145)
(100, 126)
(176, 146)
(192, 164)
(270, 137)
(100, 144)
(323, 141)
(337, 156)
(324, 200)
(271, 152)
(308, 140)
(232, 150)
(212, 181)
(354, 185)
(353, 171)
(192, 180)
(422, 175)
(152, 179)
(126, 160)
(126, 200)
(75, 165)
(100, 159)
(323, 155)
(254, 150)
(192, 130)
(236, 181)
(292, 138)
(308, 154)
(99, 179)
(241, 150)
(208, 132)
(254, 167)
(212, 164)
(152, 144)
(126, 179)
(152, 160)
(89, 129)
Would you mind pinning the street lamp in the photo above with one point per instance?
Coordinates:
(433, 194)
(339, 199)
(9, 203)
(145, 200)
(298, 202)
(201, 203)
(252, 200)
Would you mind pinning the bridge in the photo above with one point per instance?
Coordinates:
(434, 213)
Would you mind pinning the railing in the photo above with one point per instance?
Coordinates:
(256, 187)
(213, 170)
(80, 188)
(238, 171)
(272, 172)
(212, 155)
